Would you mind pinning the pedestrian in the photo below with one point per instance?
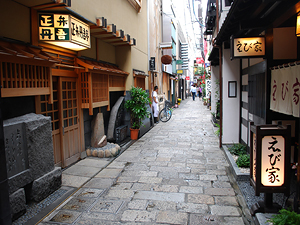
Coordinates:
(200, 92)
(193, 90)
(155, 104)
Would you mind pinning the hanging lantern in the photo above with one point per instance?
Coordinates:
(166, 59)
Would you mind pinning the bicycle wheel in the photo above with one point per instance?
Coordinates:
(165, 115)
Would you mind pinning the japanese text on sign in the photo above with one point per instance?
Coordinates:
(272, 171)
(285, 90)
(247, 47)
(62, 27)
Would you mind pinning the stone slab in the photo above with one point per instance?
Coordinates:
(78, 204)
(107, 206)
(101, 183)
(45, 185)
(201, 199)
(94, 162)
(162, 196)
(89, 192)
(138, 216)
(171, 217)
(224, 210)
(17, 202)
(109, 173)
(65, 216)
(82, 171)
(73, 181)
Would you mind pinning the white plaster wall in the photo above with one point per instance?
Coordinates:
(231, 106)
(214, 87)
(244, 134)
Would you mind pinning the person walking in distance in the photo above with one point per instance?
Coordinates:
(155, 104)
(193, 90)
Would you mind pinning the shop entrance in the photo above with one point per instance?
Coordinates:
(64, 119)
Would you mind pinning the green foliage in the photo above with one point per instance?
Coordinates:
(217, 132)
(285, 217)
(243, 161)
(238, 149)
(137, 106)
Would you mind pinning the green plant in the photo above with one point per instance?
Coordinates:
(285, 217)
(238, 149)
(137, 106)
(243, 161)
(217, 132)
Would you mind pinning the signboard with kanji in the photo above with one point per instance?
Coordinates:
(248, 47)
(269, 156)
(64, 30)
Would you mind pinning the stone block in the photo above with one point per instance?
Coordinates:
(28, 149)
(45, 185)
(17, 202)
(97, 130)
(116, 117)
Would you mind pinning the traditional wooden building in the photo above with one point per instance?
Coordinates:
(70, 60)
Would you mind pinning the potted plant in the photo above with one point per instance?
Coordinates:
(178, 101)
(137, 107)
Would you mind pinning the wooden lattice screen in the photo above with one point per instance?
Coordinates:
(100, 87)
(117, 81)
(85, 90)
(140, 82)
(19, 79)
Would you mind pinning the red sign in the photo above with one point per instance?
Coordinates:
(187, 78)
(199, 60)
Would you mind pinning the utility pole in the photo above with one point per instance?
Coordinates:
(5, 214)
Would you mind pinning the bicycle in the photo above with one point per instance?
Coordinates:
(166, 113)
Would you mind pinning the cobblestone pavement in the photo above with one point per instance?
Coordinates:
(174, 174)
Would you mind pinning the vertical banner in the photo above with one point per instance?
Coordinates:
(207, 87)
(285, 90)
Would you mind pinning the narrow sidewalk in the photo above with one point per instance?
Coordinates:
(174, 174)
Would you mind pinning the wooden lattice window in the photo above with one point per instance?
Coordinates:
(47, 109)
(19, 79)
(117, 81)
(100, 87)
(140, 82)
(85, 89)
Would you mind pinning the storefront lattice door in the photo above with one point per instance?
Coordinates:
(64, 119)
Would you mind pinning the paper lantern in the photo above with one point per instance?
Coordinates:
(166, 59)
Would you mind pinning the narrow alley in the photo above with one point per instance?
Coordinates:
(174, 174)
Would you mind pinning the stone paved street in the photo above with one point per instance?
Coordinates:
(174, 174)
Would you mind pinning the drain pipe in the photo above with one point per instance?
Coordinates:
(220, 76)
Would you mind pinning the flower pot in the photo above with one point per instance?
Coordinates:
(134, 134)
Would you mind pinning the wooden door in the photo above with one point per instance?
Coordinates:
(69, 114)
(64, 113)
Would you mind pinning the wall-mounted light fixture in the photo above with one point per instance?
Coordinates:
(298, 25)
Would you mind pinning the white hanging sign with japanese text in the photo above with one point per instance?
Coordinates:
(285, 90)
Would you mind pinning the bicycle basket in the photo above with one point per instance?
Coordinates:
(168, 104)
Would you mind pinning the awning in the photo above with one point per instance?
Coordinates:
(100, 66)
(139, 73)
(214, 56)
(251, 17)
(10, 49)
